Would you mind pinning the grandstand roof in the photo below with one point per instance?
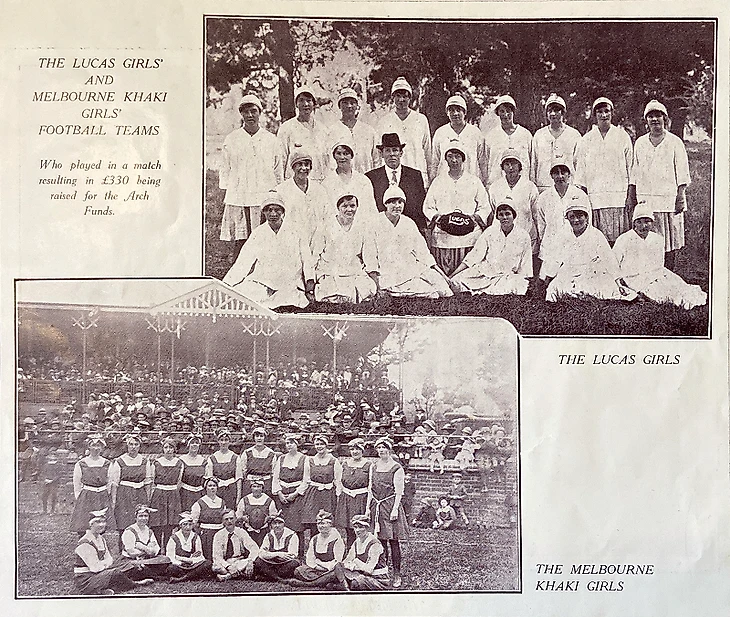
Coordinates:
(169, 296)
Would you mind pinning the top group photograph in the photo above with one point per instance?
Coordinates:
(559, 174)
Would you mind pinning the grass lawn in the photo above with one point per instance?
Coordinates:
(478, 559)
(573, 316)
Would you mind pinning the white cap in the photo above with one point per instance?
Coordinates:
(554, 99)
(347, 93)
(509, 203)
(560, 159)
(602, 100)
(393, 192)
(272, 198)
(343, 142)
(299, 154)
(304, 90)
(505, 99)
(455, 144)
(511, 153)
(642, 211)
(457, 101)
(251, 99)
(577, 203)
(655, 105)
(401, 84)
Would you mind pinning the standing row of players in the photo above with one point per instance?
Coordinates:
(257, 488)
(341, 249)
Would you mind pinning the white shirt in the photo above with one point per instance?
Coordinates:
(550, 215)
(304, 211)
(341, 252)
(312, 136)
(252, 166)
(495, 254)
(466, 194)
(363, 138)
(415, 132)
(497, 141)
(545, 149)
(356, 184)
(603, 166)
(192, 543)
(523, 196)
(659, 170)
(402, 251)
(471, 139)
(241, 540)
(637, 256)
(587, 254)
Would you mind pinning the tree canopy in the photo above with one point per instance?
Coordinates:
(628, 61)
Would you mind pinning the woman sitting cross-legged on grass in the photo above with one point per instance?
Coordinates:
(580, 262)
(640, 254)
(365, 568)
(501, 260)
(94, 569)
(140, 546)
(326, 550)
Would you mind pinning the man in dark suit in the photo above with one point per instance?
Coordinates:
(408, 179)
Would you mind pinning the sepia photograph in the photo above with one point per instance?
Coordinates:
(558, 174)
(176, 438)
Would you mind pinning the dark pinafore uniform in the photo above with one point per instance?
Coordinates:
(320, 493)
(383, 498)
(208, 524)
(226, 474)
(93, 496)
(259, 469)
(165, 496)
(130, 492)
(192, 485)
(186, 570)
(257, 515)
(91, 583)
(361, 581)
(354, 497)
(306, 573)
(290, 480)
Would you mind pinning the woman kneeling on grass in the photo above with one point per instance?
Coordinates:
(640, 254)
(94, 569)
(501, 261)
(581, 262)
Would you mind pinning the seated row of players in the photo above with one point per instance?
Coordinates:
(360, 493)
(353, 254)
(613, 172)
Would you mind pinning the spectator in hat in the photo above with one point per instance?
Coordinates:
(165, 480)
(352, 487)
(407, 268)
(353, 130)
(140, 546)
(274, 268)
(582, 262)
(129, 476)
(557, 139)
(603, 168)
(411, 126)
(95, 572)
(640, 255)
(234, 551)
(454, 192)
(91, 486)
(305, 131)
(365, 567)
(384, 507)
(255, 510)
(305, 201)
(508, 135)
(345, 256)
(279, 553)
(344, 180)
(326, 549)
(514, 185)
(426, 517)
(223, 465)
(27, 435)
(501, 261)
(660, 177)
(467, 134)
(253, 163)
(393, 173)
(185, 551)
(552, 205)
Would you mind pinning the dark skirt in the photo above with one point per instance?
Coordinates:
(167, 504)
(347, 507)
(199, 571)
(316, 500)
(127, 500)
(292, 512)
(275, 568)
(88, 502)
(359, 581)
(93, 583)
(450, 259)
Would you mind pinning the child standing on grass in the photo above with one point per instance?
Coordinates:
(50, 477)
(457, 494)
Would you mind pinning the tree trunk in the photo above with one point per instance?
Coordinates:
(284, 56)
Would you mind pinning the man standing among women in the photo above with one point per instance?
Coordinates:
(321, 189)
(250, 535)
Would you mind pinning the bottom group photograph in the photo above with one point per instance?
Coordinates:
(176, 438)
